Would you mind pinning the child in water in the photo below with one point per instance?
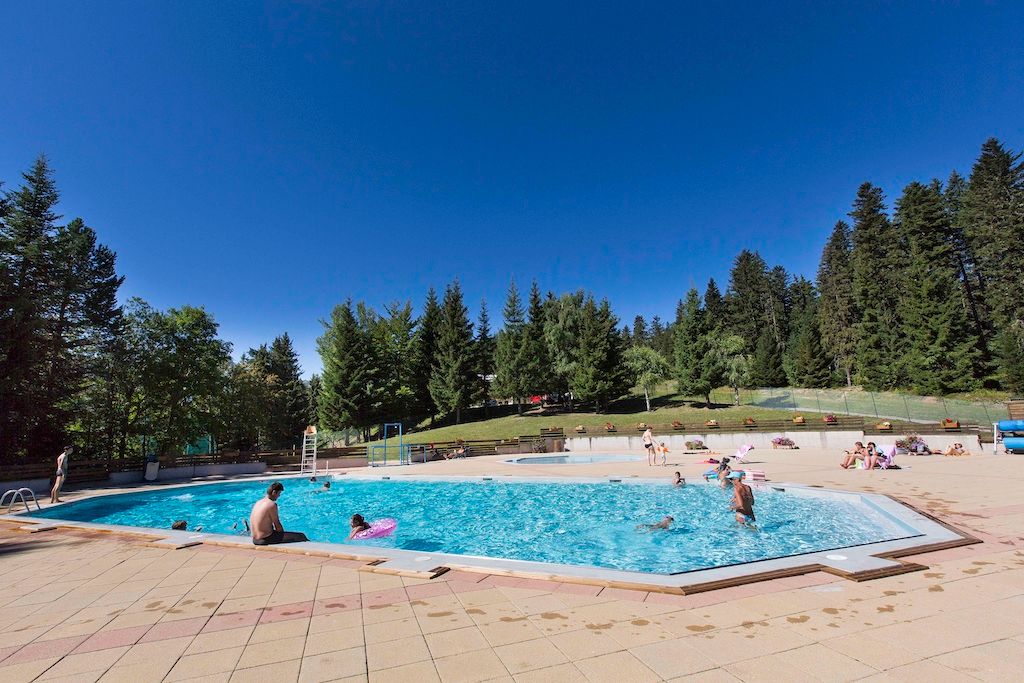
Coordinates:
(358, 524)
(678, 480)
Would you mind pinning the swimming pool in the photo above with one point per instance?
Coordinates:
(583, 523)
(572, 459)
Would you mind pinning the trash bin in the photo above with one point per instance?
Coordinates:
(152, 470)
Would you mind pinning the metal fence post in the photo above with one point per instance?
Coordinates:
(907, 406)
(945, 408)
(846, 401)
(873, 404)
(817, 397)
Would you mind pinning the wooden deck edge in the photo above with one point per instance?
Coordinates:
(431, 573)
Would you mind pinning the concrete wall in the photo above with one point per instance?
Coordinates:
(726, 442)
(178, 473)
(39, 486)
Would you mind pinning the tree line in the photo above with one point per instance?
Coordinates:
(928, 296)
(118, 381)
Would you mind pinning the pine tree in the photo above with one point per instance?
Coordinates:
(837, 311)
(992, 218)
(313, 400)
(693, 352)
(810, 363)
(966, 267)
(288, 409)
(802, 298)
(746, 309)
(598, 374)
(396, 340)
(941, 353)
(640, 336)
(454, 379)
(766, 368)
(661, 339)
(508, 370)
(714, 304)
(533, 352)
(349, 373)
(561, 332)
(879, 266)
(425, 354)
(484, 342)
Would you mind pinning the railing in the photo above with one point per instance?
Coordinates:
(878, 405)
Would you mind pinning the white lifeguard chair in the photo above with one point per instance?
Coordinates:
(307, 465)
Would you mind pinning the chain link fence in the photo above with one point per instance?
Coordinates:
(879, 405)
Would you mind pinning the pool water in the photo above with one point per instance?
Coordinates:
(578, 523)
(573, 459)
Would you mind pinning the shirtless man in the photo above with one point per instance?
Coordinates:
(648, 439)
(62, 474)
(742, 500)
(265, 522)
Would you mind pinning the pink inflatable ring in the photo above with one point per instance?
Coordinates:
(378, 529)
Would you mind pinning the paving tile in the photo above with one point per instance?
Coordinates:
(470, 667)
(427, 590)
(333, 665)
(820, 660)
(455, 641)
(219, 640)
(205, 664)
(279, 671)
(26, 671)
(506, 632)
(44, 649)
(999, 661)
(136, 673)
(924, 671)
(223, 622)
(332, 641)
(585, 643)
(673, 658)
(80, 665)
(334, 621)
(107, 639)
(771, 668)
(343, 603)
(396, 653)
(279, 630)
(417, 672)
(288, 611)
(391, 630)
(563, 673)
(259, 654)
(529, 655)
(616, 668)
(174, 629)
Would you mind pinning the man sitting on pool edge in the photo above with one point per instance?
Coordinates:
(266, 523)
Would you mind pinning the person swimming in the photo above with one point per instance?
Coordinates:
(665, 524)
(358, 524)
(678, 480)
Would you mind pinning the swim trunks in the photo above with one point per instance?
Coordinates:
(277, 536)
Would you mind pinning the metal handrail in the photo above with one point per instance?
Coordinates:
(19, 495)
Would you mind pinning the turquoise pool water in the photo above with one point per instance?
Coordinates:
(578, 523)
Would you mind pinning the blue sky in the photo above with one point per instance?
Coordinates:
(268, 161)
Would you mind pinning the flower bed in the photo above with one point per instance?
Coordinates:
(911, 443)
(782, 442)
(695, 445)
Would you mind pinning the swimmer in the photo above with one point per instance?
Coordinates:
(663, 524)
(313, 478)
(678, 480)
(180, 525)
(325, 487)
(358, 525)
(742, 500)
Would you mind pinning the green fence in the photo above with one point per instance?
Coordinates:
(870, 404)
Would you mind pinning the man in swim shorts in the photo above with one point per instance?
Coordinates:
(648, 439)
(742, 500)
(62, 474)
(266, 523)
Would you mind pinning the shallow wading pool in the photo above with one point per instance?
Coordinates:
(589, 523)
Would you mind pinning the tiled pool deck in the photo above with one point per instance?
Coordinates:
(85, 606)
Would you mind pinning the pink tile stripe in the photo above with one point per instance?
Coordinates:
(5, 651)
(387, 597)
(623, 594)
(427, 590)
(223, 622)
(464, 577)
(42, 649)
(118, 637)
(175, 629)
(296, 610)
(577, 589)
(344, 603)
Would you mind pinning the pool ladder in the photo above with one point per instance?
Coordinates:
(18, 495)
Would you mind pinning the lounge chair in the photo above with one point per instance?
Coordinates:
(742, 451)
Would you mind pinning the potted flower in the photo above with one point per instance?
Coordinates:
(580, 429)
(912, 443)
(831, 419)
(711, 424)
(695, 445)
(676, 424)
(609, 427)
(950, 423)
(749, 422)
(799, 420)
(641, 427)
(782, 442)
(885, 426)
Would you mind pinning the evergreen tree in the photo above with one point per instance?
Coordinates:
(508, 371)
(693, 352)
(425, 354)
(533, 352)
(640, 336)
(598, 373)
(941, 353)
(766, 368)
(970, 285)
(803, 315)
(454, 379)
(661, 339)
(562, 332)
(349, 373)
(397, 342)
(992, 217)
(288, 409)
(746, 299)
(313, 400)
(484, 343)
(714, 304)
(837, 312)
(878, 281)
(810, 363)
